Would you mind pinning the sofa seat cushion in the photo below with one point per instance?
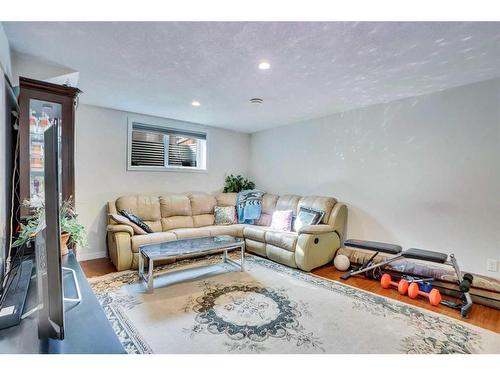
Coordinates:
(256, 233)
(183, 233)
(151, 238)
(235, 230)
(221, 230)
(282, 239)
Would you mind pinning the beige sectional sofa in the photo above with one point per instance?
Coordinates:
(190, 215)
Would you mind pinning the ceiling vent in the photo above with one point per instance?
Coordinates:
(256, 100)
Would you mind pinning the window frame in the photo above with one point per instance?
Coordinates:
(167, 124)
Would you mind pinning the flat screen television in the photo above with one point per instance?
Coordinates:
(47, 246)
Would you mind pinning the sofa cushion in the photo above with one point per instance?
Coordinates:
(225, 215)
(147, 208)
(307, 216)
(151, 238)
(226, 199)
(255, 233)
(182, 233)
(255, 247)
(268, 206)
(136, 221)
(288, 202)
(174, 222)
(320, 203)
(280, 255)
(202, 203)
(284, 240)
(175, 205)
(220, 230)
(154, 225)
(203, 220)
(119, 219)
(282, 220)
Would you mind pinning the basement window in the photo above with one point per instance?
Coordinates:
(158, 148)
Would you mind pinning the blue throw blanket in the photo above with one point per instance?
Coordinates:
(249, 206)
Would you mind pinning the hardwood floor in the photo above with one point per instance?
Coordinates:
(481, 316)
(97, 267)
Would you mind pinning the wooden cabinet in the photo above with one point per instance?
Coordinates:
(41, 105)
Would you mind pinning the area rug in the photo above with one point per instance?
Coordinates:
(205, 306)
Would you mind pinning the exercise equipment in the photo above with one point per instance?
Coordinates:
(464, 281)
(464, 284)
(424, 285)
(341, 262)
(402, 286)
(433, 296)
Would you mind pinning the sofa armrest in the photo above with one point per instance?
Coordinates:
(316, 229)
(338, 219)
(315, 250)
(120, 228)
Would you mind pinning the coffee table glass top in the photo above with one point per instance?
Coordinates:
(189, 246)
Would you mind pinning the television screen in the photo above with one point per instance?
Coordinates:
(47, 246)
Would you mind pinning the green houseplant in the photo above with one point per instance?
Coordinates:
(72, 232)
(235, 184)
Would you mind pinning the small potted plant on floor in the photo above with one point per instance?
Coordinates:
(72, 232)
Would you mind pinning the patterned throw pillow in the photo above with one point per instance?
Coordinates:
(134, 219)
(307, 216)
(123, 220)
(225, 215)
(282, 220)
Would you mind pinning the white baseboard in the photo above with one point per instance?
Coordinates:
(84, 255)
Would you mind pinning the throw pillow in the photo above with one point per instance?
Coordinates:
(225, 215)
(134, 219)
(282, 220)
(307, 216)
(123, 220)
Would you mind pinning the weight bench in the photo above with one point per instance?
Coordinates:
(464, 281)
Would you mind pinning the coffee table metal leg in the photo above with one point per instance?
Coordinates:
(141, 266)
(243, 258)
(224, 256)
(150, 276)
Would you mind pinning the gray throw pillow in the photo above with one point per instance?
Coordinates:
(307, 216)
(134, 219)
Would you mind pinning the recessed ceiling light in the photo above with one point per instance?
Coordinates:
(256, 100)
(264, 65)
(195, 103)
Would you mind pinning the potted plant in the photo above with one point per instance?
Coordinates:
(235, 184)
(72, 232)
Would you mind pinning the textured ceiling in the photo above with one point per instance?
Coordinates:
(317, 68)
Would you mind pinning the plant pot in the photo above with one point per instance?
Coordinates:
(64, 243)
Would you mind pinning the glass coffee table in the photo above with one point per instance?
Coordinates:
(191, 246)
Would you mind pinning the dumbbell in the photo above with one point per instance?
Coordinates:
(386, 282)
(433, 296)
(466, 283)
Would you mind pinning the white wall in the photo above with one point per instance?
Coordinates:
(5, 58)
(101, 167)
(420, 172)
(32, 67)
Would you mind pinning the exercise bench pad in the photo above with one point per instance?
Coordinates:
(430, 256)
(374, 246)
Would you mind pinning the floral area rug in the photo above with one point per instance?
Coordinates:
(205, 306)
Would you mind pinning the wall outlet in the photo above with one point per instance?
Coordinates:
(492, 265)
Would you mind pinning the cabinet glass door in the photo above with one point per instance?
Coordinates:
(42, 114)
